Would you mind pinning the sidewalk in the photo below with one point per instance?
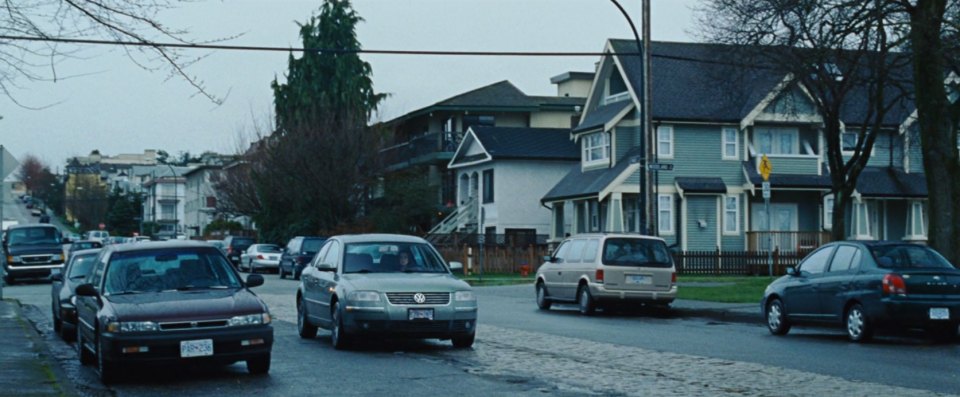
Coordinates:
(26, 368)
(731, 312)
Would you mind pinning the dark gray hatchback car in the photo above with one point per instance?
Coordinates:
(865, 286)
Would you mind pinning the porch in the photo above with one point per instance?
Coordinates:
(786, 241)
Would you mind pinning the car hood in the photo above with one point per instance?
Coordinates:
(405, 282)
(185, 305)
(34, 249)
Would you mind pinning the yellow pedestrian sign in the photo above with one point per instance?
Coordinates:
(765, 167)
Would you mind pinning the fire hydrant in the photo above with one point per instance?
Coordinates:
(524, 270)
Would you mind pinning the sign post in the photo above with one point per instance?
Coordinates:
(765, 168)
(7, 164)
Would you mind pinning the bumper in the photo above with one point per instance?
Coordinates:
(602, 294)
(259, 264)
(913, 313)
(229, 345)
(448, 321)
(31, 270)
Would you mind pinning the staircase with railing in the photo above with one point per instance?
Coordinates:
(463, 221)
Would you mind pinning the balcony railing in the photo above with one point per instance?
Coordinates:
(418, 148)
(786, 241)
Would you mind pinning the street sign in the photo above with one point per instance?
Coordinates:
(766, 189)
(101, 226)
(660, 167)
(765, 167)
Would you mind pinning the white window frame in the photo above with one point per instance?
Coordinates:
(828, 212)
(856, 142)
(731, 219)
(665, 136)
(725, 143)
(588, 147)
(916, 209)
(775, 139)
(665, 211)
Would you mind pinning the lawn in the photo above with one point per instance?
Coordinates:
(729, 289)
(495, 279)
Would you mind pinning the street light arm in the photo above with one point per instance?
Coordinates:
(636, 36)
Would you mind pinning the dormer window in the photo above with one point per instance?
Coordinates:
(616, 88)
(596, 148)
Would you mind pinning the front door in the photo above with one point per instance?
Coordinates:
(783, 218)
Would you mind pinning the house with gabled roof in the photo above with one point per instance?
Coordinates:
(501, 174)
(712, 120)
(425, 139)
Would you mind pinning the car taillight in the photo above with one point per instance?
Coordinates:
(259, 256)
(673, 278)
(893, 284)
(598, 276)
(229, 250)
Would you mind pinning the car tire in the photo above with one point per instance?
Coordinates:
(543, 301)
(259, 365)
(9, 280)
(57, 323)
(464, 341)
(67, 332)
(338, 335)
(585, 302)
(304, 328)
(280, 271)
(777, 322)
(296, 274)
(109, 372)
(858, 326)
(86, 357)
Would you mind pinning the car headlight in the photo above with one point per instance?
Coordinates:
(13, 259)
(57, 258)
(364, 296)
(464, 296)
(132, 326)
(73, 300)
(250, 319)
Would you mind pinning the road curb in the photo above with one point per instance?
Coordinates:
(41, 348)
(732, 316)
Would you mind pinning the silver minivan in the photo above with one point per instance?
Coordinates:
(594, 270)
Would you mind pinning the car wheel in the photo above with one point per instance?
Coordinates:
(464, 342)
(108, 371)
(858, 327)
(296, 274)
(57, 323)
(543, 302)
(304, 328)
(67, 332)
(280, 271)
(259, 365)
(9, 280)
(585, 301)
(338, 335)
(85, 356)
(776, 319)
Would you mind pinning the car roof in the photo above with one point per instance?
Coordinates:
(31, 225)
(86, 241)
(379, 237)
(617, 235)
(87, 251)
(152, 245)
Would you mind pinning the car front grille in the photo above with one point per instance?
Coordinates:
(35, 259)
(182, 325)
(407, 298)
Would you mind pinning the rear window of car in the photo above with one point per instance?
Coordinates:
(268, 248)
(241, 243)
(636, 252)
(909, 256)
(312, 245)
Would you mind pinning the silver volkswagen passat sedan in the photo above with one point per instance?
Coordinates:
(384, 285)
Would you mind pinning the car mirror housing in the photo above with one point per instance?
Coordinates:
(456, 266)
(792, 271)
(254, 280)
(547, 258)
(86, 290)
(327, 267)
(56, 277)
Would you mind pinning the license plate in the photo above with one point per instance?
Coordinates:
(638, 279)
(939, 313)
(196, 348)
(420, 314)
(273, 258)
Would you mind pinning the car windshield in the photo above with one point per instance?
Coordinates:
(241, 244)
(168, 269)
(909, 256)
(84, 245)
(33, 236)
(268, 248)
(80, 265)
(392, 257)
(635, 252)
(312, 245)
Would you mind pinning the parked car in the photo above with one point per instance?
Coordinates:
(174, 302)
(594, 270)
(44, 218)
(218, 244)
(32, 250)
(867, 286)
(83, 245)
(260, 256)
(62, 291)
(36, 212)
(297, 253)
(235, 245)
(100, 235)
(357, 287)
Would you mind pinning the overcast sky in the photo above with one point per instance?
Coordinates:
(113, 105)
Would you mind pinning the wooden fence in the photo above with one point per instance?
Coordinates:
(735, 262)
(496, 258)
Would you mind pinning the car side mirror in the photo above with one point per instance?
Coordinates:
(254, 280)
(326, 267)
(66, 240)
(792, 271)
(456, 266)
(86, 290)
(56, 276)
(547, 258)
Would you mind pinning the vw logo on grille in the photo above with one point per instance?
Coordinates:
(419, 297)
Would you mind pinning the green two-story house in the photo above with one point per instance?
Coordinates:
(712, 120)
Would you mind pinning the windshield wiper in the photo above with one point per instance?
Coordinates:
(130, 292)
(196, 287)
(77, 277)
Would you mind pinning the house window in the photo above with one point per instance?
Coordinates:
(478, 120)
(917, 220)
(211, 201)
(488, 186)
(731, 145)
(848, 141)
(558, 220)
(594, 216)
(665, 213)
(596, 148)
(777, 140)
(863, 219)
(665, 141)
(731, 214)
(828, 212)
